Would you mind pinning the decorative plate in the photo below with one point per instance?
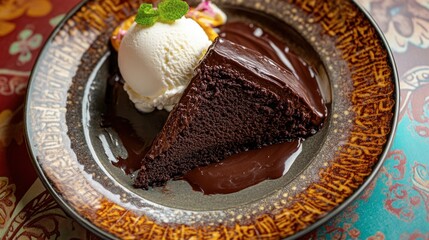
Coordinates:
(65, 98)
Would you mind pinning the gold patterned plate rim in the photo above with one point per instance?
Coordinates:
(362, 123)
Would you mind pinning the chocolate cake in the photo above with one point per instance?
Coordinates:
(237, 100)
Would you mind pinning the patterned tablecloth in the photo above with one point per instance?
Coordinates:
(394, 206)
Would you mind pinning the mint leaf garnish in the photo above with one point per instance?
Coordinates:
(171, 10)
(147, 15)
(167, 11)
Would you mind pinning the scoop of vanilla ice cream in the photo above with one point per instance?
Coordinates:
(157, 62)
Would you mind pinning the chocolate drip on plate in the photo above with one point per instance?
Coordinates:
(137, 130)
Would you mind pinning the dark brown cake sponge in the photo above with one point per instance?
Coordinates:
(237, 100)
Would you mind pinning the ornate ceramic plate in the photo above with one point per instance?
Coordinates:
(65, 100)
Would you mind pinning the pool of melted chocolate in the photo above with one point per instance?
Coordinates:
(137, 130)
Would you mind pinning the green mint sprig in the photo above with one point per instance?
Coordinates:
(168, 11)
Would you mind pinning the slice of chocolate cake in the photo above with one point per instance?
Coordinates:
(238, 100)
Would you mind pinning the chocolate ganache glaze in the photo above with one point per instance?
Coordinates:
(137, 130)
(254, 37)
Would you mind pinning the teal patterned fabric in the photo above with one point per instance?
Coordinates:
(396, 204)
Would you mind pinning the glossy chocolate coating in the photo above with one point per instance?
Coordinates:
(240, 170)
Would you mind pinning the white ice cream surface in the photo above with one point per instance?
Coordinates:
(163, 101)
(157, 62)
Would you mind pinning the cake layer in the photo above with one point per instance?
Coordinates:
(237, 100)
